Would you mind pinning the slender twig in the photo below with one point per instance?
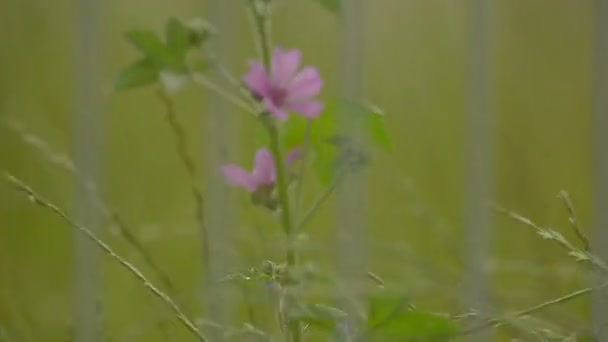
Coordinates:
(110, 214)
(556, 237)
(573, 219)
(38, 200)
(181, 147)
(496, 322)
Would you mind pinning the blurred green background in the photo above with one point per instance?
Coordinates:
(416, 70)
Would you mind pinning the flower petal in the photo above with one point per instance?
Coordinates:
(237, 176)
(264, 170)
(306, 84)
(257, 79)
(309, 109)
(274, 109)
(284, 65)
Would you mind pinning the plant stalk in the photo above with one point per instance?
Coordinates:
(260, 15)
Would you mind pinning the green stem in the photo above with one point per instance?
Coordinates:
(275, 147)
(286, 223)
(262, 24)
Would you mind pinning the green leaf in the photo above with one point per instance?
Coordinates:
(150, 44)
(394, 319)
(319, 315)
(140, 73)
(327, 141)
(331, 5)
(178, 37)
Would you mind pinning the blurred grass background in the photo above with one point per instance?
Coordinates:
(416, 59)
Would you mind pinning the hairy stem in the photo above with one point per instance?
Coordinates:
(38, 200)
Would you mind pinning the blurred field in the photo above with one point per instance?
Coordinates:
(416, 63)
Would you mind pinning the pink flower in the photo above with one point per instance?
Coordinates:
(284, 89)
(264, 172)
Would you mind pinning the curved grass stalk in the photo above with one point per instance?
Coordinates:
(38, 200)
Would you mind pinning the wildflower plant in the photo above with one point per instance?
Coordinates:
(296, 126)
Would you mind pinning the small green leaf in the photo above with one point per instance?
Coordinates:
(150, 44)
(331, 5)
(138, 74)
(153, 47)
(319, 315)
(178, 37)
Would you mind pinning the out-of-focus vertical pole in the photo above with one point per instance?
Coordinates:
(479, 157)
(352, 192)
(88, 132)
(600, 231)
(219, 141)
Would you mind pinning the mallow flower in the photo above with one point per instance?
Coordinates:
(264, 173)
(283, 88)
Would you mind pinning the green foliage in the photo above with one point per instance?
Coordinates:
(394, 319)
(327, 141)
(166, 58)
(150, 44)
(177, 37)
(140, 73)
(331, 5)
